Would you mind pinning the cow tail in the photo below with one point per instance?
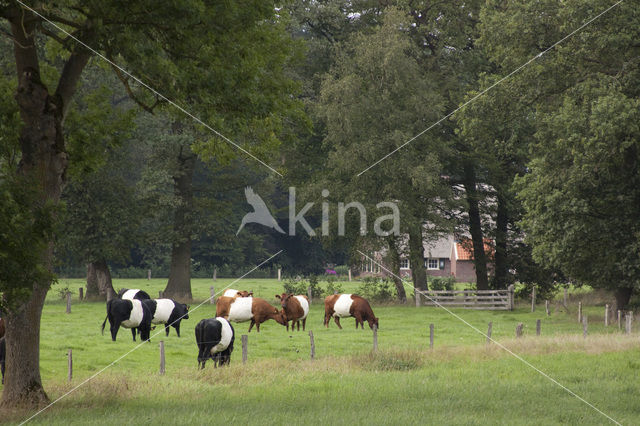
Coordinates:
(103, 324)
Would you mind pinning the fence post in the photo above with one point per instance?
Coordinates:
(511, 301)
(584, 326)
(606, 315)
(431, 332)
(579, 311)
(215, 273)
(565, 297)
(313, 345)
(417, 296)
(81, 293)
(519, 330)
(619, 317)
(70, 364)
(533, 299)
(489, 332)
(279, 274)
(162, 359)
(212, 291)
(349, 274)
(546, 307)
(148, 274)
(244, 348)
(68, 302)
(309, 294)
(538, 327)
(375, 337)
(160, 294)
(628, 317)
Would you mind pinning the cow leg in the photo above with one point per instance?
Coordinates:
(304, 322)
(258, 326)
(176, 325)
(133, 331)
(251, 325)
(337, 320)
(114, 330)
(288, 326)
(298, 324)
(166, 329)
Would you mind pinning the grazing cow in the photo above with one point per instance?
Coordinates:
(294, 308)
(236, 293)
(167, 312)
(214, 337)
(243, 309)
(130, 314)
(135, 293)
(348, 305)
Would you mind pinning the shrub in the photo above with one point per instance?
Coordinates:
(333, 287)
(342, 270)
(442, 283)
(377, 290)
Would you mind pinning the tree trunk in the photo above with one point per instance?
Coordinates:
(394, 263)
(43, 158)
(501, 267)
(475, 228)
(416, 257)
(99, 285)
(622, 295)
(179, 285)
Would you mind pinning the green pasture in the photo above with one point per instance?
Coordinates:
(460, 381)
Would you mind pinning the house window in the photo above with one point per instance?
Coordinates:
(442, 263)
(404, 264)
(432, 264)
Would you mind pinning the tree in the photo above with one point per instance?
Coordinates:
(374, 99)
(581, 191)
(153, 39)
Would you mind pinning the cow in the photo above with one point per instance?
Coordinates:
(214, 337)
(167, 312)
(130, 314)
(135, 293)
(3, 355)
(243, 309)
(294, 308)
(348, 305)
(236, 293)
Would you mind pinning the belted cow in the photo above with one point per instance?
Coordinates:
(167, 312)
(134, 293)
(295, 308)
(243, 309)
(214, 337)
(131, 314)
(348, 305)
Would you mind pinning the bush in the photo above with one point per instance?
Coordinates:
(342, 270)
(442, 283)
(333, 287)
(377, 290)
(300, 286)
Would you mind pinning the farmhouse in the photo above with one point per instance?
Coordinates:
(444, 257)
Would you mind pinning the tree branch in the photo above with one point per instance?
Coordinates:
(125, 81)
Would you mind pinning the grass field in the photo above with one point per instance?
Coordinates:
(460, 381)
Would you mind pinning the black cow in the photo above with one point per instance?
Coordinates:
(130, 314)
(128, 294)
(167, 312)
(3, 355)
(214, 337)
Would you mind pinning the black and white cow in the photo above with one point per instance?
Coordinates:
(3, 355)
(167, 312)
(214, 337)
(129, 314)
(134, 293)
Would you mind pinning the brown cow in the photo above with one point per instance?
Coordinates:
(236, 293)
(241, 309)
(294, 308)
(348, 305)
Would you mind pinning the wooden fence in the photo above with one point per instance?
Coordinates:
(470, 299)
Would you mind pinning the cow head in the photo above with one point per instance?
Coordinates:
(244, 293)
(284, 298)
(374, 322)
(280, 317)
(185, 311)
